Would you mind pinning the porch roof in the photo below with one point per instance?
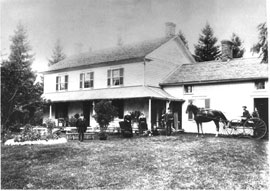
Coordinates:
(111, 93)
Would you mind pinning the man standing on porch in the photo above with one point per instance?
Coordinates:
(169, 121)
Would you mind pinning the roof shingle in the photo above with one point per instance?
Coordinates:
(129, 51)
(217, 71)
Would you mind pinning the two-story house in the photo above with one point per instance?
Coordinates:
(129, 75)
(226, 85)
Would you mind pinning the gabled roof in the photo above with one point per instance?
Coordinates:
(218, 71)
(125, 52)
(111, 93)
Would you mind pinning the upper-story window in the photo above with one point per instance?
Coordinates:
(61, 82)
(260, 85)
(87, 80)
(188, 89)
(115, 77)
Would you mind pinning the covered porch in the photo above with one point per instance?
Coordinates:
(151, 101)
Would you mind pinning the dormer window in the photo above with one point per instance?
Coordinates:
(115, 77)
(188, 89)
(87, 80)
(260, 84)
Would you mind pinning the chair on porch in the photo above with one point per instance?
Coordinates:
(126, 129)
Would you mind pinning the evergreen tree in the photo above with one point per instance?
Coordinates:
(183, 38)
(20, 97)
(237, 48)
(262, 46)
(206, 50)
(57, 53)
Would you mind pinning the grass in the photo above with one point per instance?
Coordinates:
(176, 162)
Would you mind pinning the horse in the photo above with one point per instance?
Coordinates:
(202, 115)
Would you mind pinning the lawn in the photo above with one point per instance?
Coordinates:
(176, 162)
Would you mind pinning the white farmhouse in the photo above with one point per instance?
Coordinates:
(129, 75)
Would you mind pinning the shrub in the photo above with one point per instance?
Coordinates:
(27, 134)
(50, 124)
(105, 113)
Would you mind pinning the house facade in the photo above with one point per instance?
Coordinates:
(128, 75)
(226, 85)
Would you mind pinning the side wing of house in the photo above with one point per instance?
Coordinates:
(165, 59)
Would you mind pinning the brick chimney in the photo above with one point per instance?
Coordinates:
(226, 50)
(169, 29)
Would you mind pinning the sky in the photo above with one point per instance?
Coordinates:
(96, 24)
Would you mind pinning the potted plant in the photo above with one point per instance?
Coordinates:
(105, 113)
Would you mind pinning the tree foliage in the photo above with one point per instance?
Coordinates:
(206, 50)
(183, 38)
(20, 95)
(105, 113)
(57, 53)
(262, 45)
(237, 48)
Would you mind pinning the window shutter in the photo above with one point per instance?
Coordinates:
(109, 77)
(66, 82)
(57, 82)
(81, 80)
(207, 103)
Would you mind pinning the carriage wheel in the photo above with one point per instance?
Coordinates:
(235, 128)
(255, 128)
(224, 129)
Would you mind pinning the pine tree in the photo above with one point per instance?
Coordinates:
(57, 53)
(183, 38)
(20, 95)
(206, 50)
(238, 50)
(262, 46)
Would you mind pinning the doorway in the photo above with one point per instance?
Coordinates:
(262, 106)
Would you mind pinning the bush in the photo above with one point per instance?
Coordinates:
(28, 134)
(105, 113)
(50, 124)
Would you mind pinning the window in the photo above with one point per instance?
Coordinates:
(115, 77)
(188, 89)
(87, 80)
(62, 82)
(260, 85)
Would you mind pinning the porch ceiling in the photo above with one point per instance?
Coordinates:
(111, 93)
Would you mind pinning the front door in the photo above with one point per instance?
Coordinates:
(87, 105)
(262, 106)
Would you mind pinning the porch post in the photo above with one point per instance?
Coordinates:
(50, 113)
(94, 107)
(149, 114)
(167, 106)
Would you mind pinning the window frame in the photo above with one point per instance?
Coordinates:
(187, 90)
(117, 80)
(90, 81)
(62, 86)
(260, 85)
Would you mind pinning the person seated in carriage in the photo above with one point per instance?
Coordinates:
(246, 115)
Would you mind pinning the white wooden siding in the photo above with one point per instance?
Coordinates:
(228, 98)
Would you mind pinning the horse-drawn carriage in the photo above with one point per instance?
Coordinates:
(253, 127)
